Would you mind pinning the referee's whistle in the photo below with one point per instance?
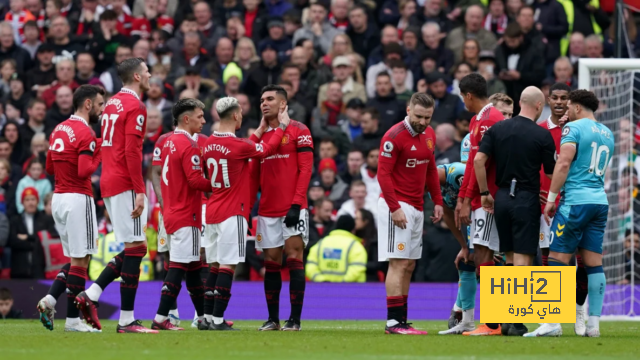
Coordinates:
(512, 190)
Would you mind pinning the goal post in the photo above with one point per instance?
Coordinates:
(614, 81)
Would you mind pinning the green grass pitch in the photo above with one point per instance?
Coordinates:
(334, 340)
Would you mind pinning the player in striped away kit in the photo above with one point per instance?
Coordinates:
(181, 186)
(406, 167)
(123, 125)
(230, 161)
(579, 223)
(74, 155)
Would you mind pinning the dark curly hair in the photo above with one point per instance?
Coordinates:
(584, 98)
(474, 84)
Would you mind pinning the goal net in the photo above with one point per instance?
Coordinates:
(616, 83)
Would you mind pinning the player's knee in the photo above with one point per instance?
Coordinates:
(410, 267)
(401, 264)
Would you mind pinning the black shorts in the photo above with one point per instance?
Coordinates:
(518, 221)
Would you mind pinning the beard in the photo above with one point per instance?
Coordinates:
(94, 117)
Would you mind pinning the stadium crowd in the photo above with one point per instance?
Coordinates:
(349, 68)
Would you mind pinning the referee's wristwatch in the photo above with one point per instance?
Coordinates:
(484, 193)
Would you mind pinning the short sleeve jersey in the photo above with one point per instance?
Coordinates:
(408, 155)
(594, 144)
(465, 148)
(124, 114)
(180, 157)
(556, 133)
(68, 141)
(454, 177)
(279, 172)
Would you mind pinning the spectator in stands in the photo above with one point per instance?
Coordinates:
(527, 24)
(472, 28)
(7, 191)
(42, 76)
(31, 38)
(317, 28)
(527, 71)
(266, 73)
(109, 78)
(392, 51)
(341, 68)
(385, 101)
(63, 46)
(448, 106)
(278, 7)
(245, 55)
(156, 100)
(576, 48)
(513, 7)
(292, 22)
(315, 193)
(340, 46)
(6, 304)
(86, 66)
(83, 25)
(210, 30)
(9, 49)
(352, 126)
(339, 257)
(297, 111)
(371, 131)
(12, 149)
(65, 73)
(355, 161)
(366, 230)
(399, 74)
(188, 24)
(632, 255)
(362, 32)
(431, 37)
(310, 78)
(192, 53)
(204, 88)
(27, 258)
(17, 16)
(593, 47)
(232, 78)
(61, 109)
(369, 173)
(563, 72)
(551, 21)
(388, 35)
(486, 67)
(433, 12)
(35, 124)
(326, 118)
(588, 19)
(357, 200)
(496, 20)
(335, 189)
(321, 222)
(278, 38)
(154, 131)
(291, 74)
(328, 149)
(447, 148)
(33, 179)
(141, 49)
(471, 53)
(255, 20)
(36, 7)
(223, 56)
(338, 14)
(17, 95)
(7, 69)
(71, 10)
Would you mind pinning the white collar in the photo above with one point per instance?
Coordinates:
(550, 124)
(78, 118)
(179, 131)
(407, 125)
(130, 92)
(348, 85)
(481, 112)
(224, 134)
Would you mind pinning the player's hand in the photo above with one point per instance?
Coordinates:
(549, 211)
(487, 203)
(543, 197)
(564, 120)
(137, 211)
(465, 215)
(283, 116)
(437, 214)
(463, 255)
(399, 219)
(456, 213)
(293, 216)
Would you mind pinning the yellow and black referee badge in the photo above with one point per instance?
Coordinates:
(528, 294)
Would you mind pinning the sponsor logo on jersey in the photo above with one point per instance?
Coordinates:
(411, 163)
(285, 139)
(565, 131)
(259, 237)
(401, 247)
(304, 140)
(430, 144)
(388, 146)
(413, 148)
(385, 154)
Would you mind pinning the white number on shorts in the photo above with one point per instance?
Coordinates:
(596, 156)
(108, 125)
(214, 172)
(165, 170)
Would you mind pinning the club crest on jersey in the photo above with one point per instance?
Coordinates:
(92, 146)
(541, 236)
(430, 144)
(388, 146)
(565, 131)
(401, 247)
(285, 140)
(259, 237)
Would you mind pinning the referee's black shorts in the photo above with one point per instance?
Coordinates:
(518, 221)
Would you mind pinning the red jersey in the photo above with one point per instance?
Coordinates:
(182, 182)
(406, 164)
(68, 141)
(556, 133)
(228, 159)
(201, 140)
(479, 124)
(285, 175)
(124, 122)
(125, 24)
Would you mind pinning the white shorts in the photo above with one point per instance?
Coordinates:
(126, 229)
(544, 233)
(226, 241)
(483, 230)
(396, 243)
(204, 225)
(272, 232)
(163, 240)
(75, 219)
(185, 245)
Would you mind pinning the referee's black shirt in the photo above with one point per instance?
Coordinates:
(519, 148)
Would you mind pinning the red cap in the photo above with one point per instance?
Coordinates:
(327, 164)
(29, 191)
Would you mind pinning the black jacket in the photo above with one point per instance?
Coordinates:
(27, 256)
(448, 109)
(260, 77)
(53, 118)
(366, 142)
(390, 108)
(259, 30)
(36, 76)
(554, 23)
(20, 55)
(418, 19)
(364, 43)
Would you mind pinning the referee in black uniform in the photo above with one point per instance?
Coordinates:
(519, 148)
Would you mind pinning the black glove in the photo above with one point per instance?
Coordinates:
(293, 216)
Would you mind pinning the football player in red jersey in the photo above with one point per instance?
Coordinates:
(469, 211)
(181, 187)
(123, 125)
(228, 162)
(284, 218)
(406, 167)
(74, 155)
